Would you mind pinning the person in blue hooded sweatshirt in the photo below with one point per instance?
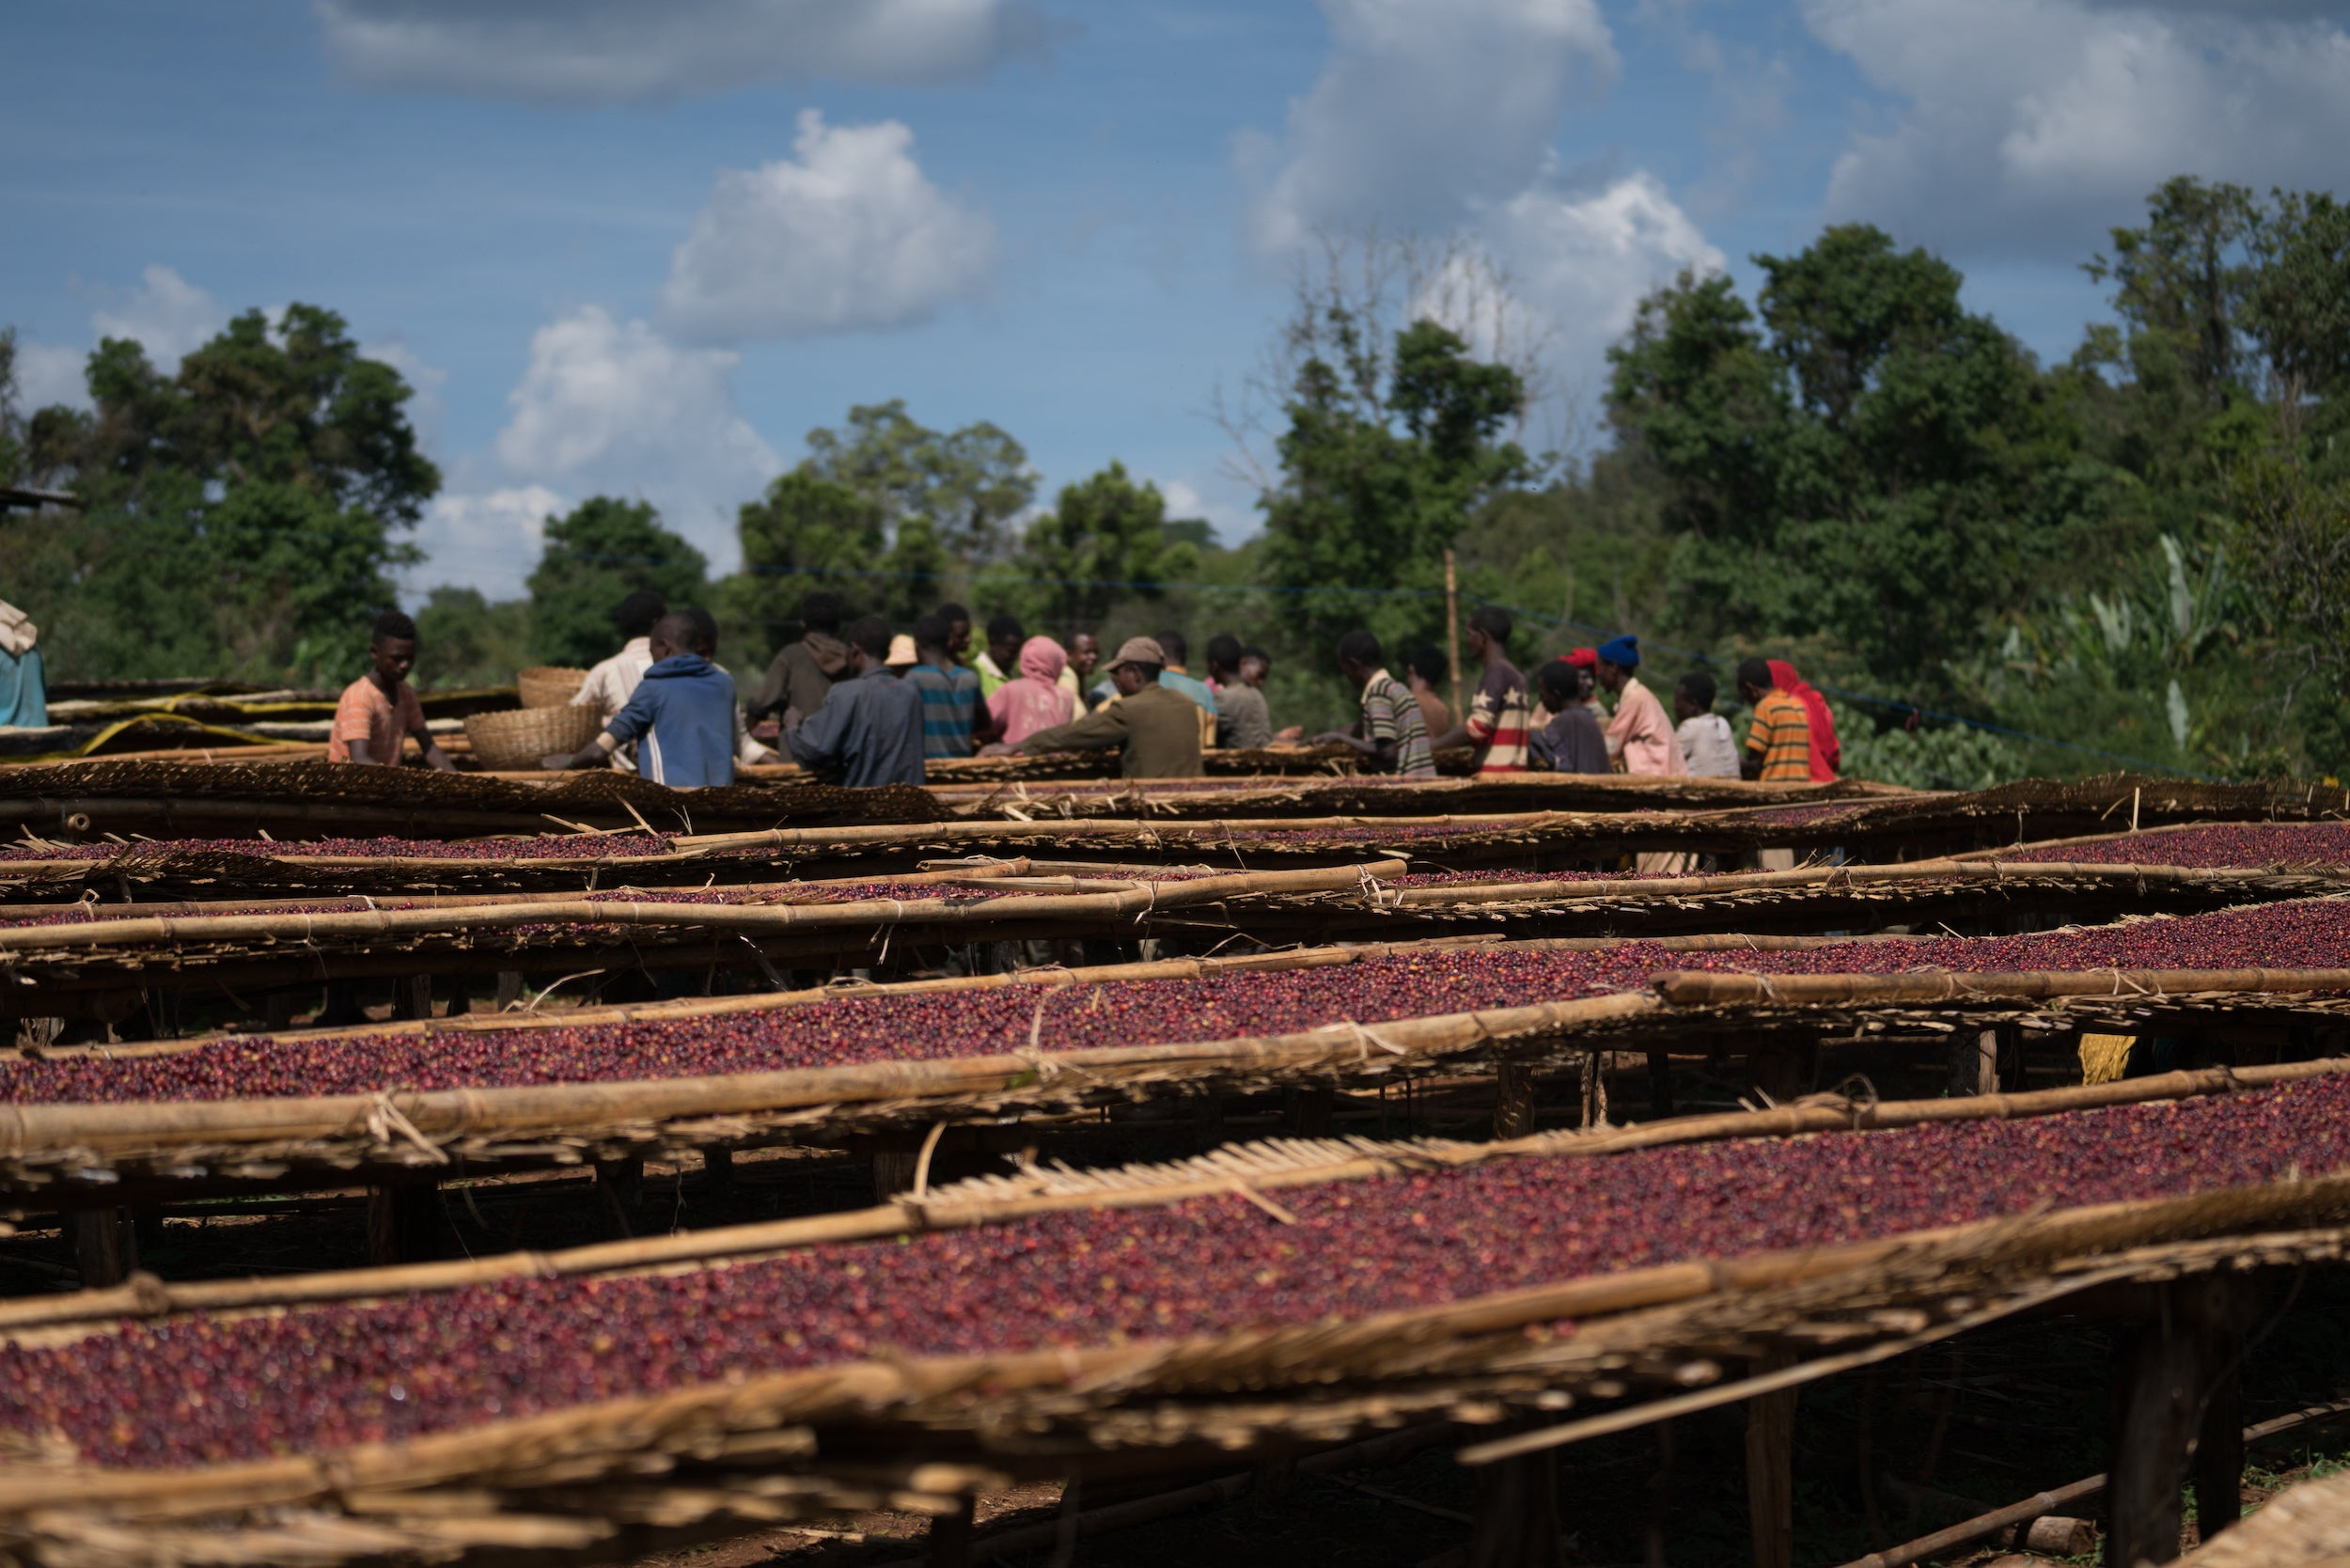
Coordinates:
(682, 716)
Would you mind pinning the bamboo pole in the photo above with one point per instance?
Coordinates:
(1136, 903)
(1209, 1176)
(1686, 988)
(578, 1443)
(457, 1113)
(1856, 877)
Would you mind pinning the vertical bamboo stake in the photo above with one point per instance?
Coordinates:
(1513, 1100)
(1770, 1472)
(1452, 631)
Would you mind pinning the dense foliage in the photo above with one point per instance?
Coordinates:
(241, 512)
(2137, 555)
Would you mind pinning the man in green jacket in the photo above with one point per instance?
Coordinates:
(1156, 728)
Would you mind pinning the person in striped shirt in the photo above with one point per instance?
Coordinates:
(1499, 714)
(1778, 742)
(1394, 737)
(954, 720)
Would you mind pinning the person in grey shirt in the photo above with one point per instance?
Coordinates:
(1242, 722)
(870, 730)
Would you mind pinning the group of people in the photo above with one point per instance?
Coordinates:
(1559, 723)
(863, 704)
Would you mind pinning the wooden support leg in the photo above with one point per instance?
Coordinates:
(718, 1169)
(622, 1184)
(280, 1007)
(1594, 1089)
(105, 1249)
(1313, 1111)
(1770, 1478)
(1660, 1083)
(2217, 1471)
(1975, 1062)
(1517, 1514)
(405, 1223)
(510, 992)
(1513, 1100)
(412, 996)
(2178, 1411)
(951, 1536)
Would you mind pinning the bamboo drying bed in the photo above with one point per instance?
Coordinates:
(73, 1154)
(316, 799)
(600, 1481)
(119, 949)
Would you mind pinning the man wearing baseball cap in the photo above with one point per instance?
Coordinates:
(1154, 728)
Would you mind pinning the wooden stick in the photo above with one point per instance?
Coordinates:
(1154, 1186)
(1134, 902)
(1691, 988)
(2056, 1498)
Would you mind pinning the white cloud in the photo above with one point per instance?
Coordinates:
(165, 312)
(1231, 523)
(847, 234)
(2030, 126)
(50, 373)
(1426, 109)
(1584, 261)
(615, 406)
(602, 51)
(485, 539)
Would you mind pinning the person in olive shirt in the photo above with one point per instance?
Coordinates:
(1155, 728)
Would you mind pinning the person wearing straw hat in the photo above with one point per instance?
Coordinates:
(1153, 727)
(683, 715)
(870, 730)
(380, 711)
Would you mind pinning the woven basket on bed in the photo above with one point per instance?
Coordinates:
(550, 685)
(511, 741)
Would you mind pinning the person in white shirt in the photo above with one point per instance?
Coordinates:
(611, 683)
(1707, 743)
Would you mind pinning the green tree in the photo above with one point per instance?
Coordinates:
(604, 550)
(2298, 300)
(1860, 456)
(464, 639)
(2180, 282)
(1107, 540)
(1390, 446)
(969, 484)
(275, 467)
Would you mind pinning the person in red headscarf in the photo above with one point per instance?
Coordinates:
(1827, 755)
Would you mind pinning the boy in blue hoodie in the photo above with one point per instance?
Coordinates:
(682, 716)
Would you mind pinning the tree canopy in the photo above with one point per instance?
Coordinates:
(593, 557)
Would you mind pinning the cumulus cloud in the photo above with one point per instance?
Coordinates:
(1585, 259)
(1426, 110)
(604, 51)
(614, 405)
(2030, 126)
(485, 539)
(848, 233)
(165, 312)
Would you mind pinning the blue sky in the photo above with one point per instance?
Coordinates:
(643, 249)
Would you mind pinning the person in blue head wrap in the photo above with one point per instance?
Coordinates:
(1641, 733)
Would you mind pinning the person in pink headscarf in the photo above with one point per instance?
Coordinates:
(1034, 699)
(1827, 755)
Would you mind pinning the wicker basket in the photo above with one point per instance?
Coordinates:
(516, 739)
(550, 685)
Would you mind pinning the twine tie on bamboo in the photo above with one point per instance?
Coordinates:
(386, 1119)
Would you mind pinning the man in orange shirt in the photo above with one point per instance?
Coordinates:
(380, 710)
(1778, 742)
